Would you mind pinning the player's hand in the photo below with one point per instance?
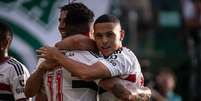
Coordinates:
(48, 65)
(49, 53)
(145, 95)
(139, 97)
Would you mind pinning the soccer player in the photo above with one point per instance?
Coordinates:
(13, 74)
(117, 61)
(58, 83)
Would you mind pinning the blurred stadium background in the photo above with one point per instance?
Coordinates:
(155, 30)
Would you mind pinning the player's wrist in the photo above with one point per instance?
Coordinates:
(133, 97)
(42, 68)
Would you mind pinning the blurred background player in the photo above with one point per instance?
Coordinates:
(13, 74)
(165, 84)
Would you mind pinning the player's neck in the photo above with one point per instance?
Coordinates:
(3, 57)
(3, 54)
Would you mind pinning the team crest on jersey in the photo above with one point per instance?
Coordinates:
(112, 59)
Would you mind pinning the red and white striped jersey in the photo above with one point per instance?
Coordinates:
(13, 76)
(123, 63)
(60, 85)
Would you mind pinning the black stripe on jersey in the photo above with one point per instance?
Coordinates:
(84, 84)
(18, 67)
(101, 90)
(14, 67)
(6, 97)
(94, 54)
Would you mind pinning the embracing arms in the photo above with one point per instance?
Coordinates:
(77, 42)
(86, 72)
(116, 86)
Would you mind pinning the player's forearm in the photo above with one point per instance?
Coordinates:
(34, 83)
(83, 71)
(121, 92)
(115, 86)
(76, 68)
(77, 42)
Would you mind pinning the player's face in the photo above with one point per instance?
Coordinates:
(4, 43)
(166, 81)
(108, 37)
(62, 25)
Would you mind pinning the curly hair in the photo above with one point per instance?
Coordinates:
(78, 13)
(79, 18)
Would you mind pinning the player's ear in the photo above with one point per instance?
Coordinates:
(122, 34)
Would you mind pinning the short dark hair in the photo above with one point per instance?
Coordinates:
(79, 18)
(5, 31)
(107, 18)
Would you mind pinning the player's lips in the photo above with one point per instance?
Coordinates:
(63, 32)
(105, 48)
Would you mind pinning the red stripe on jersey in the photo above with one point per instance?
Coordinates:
(50, 80)
(142, 81)
(131, 77)
(5, 87)
(59, 84)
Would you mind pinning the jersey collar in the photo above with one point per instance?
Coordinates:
(3, 59)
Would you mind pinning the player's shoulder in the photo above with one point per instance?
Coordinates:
(17, 66)
(126, 55)
(124, 52)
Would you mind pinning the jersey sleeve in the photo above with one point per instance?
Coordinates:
(18, 77)
(122, 63)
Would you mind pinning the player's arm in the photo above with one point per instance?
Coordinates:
(34, 82)
(23, 99)
(77, 42)
(81, 70)
(41, 97)
(111, 84)
(116, 86)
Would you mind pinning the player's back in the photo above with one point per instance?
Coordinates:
(62, 86)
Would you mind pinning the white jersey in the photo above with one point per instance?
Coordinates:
(60, 85)
(123, 63)
(13, 76)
